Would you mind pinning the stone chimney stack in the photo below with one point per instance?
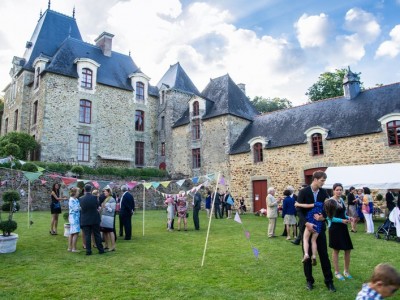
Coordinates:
(351, 85)
(242, 86)
(104, 41)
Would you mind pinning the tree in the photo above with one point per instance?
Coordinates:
(329, 85)
(267, 104)
(25, 142)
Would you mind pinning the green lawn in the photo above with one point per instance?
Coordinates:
(167, 265)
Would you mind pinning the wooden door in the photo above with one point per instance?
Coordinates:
(259, 194)
(308, 174)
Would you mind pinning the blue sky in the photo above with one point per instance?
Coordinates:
(278, 48)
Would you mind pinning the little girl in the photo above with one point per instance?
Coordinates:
(317, 208)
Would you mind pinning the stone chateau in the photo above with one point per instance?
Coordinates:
(87, 104)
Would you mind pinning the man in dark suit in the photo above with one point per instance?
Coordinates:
(127, 207)
(309, 195)
(197, 207)
(90, 220)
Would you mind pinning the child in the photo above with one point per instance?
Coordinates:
(385, 281)
(317, 208)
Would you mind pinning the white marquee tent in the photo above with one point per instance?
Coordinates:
(378, 176)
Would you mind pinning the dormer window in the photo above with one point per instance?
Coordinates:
(195, 108)
(393, 133)
(317, 146)
(140, 90)
(87, 78)
(258, 152)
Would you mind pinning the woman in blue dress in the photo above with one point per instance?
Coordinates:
(74, 219)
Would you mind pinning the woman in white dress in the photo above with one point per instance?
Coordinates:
(74, 219)
(170, 211)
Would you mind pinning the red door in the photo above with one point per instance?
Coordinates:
(259, 194)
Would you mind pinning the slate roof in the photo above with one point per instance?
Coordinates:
(342, 117)
(57, 36)
(50, 32)
(113, 71)
(228, 98)
(176, 78)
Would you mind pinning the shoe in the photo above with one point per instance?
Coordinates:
(111, 250)
(89, 253)
(331, 287)
(69, 250)
(296, 242)
(106, 248)
(314, 261)
(75, 251)
(339, 276)
(309, 286)
(305, 259)
(347, 275)
(288, 238)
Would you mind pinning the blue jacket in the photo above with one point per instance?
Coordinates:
(288, 207)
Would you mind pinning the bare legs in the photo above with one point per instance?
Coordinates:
(184, 223)
(54, 223)
(72, 239)
(306, 245)
(335, 259)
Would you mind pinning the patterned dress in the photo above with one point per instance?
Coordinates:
(182, 207)
(74, 215)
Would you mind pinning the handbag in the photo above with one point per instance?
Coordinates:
(107, 221)
(229, 200)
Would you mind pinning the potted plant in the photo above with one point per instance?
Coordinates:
(66, 225)
(8, 241)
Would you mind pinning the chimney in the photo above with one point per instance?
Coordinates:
(242, 86)
(351, 84)
(104, 41)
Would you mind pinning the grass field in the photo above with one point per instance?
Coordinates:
(167, 265)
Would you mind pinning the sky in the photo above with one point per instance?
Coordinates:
(277, 48)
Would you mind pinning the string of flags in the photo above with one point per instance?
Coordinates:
(247, 234)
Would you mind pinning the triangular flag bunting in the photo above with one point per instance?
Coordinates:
(155, 184)
(255, 251)
(237, 218)
(131, 184)
(165, 183)
(68, 180)
(40, 169)
(247, 234)
(147, 185)
(96, 184)
(32, 176)
(180, 182)
(222, 181)
(195, 180)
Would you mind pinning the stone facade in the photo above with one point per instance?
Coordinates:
(285, 166)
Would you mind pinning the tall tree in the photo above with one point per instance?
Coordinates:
(270, 104)
(329, 85)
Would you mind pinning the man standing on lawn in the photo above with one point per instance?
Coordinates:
(308, 195)
(127, 207)
(197, 207)
(90, 220)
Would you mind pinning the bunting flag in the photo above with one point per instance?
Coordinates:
(195, 180)
(165, 183)
(237, 218)
(147, 185)
(210, 176)
(43, 181)
(68, 180)
(255, 251)
(155, 184)
(247, 234)
(40, 169)
(180, 182)
(131, 184)
(54, 176)
(96, 184)
(22, 162)
(222, 181)
(31, 176)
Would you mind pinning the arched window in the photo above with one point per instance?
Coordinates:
(316, 142)
(87, 78)
(196, 108)
(139, 90)
(258, 152)
(393, 132)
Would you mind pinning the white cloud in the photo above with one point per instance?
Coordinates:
(363, 24)
(312, 31)
(391, 47)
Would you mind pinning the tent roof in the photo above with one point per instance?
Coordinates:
(378, 176)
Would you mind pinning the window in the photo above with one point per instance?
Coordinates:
(37, 78)
(6, 126)
(83, 147)
(139, 90)
(196, 158)
(87, 78)
(162, 123)
(85, 111)
(393, 131)
(139, 153)
(258, 152)
(139, 120)
(16, 120)
(162, 149)
(162, 97)
(35, 112)
(317, 147)
(196, 129)
(196, 108)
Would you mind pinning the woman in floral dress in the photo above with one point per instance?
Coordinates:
(182, 210)
(74, 219)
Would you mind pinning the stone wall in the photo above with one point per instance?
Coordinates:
(285, 166)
